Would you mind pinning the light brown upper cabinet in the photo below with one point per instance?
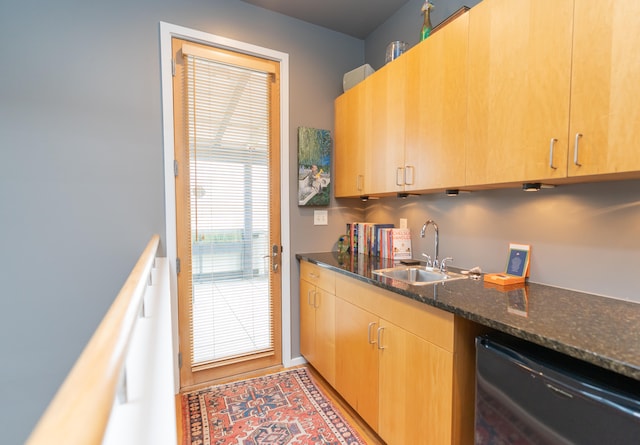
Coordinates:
(369, 133)
(385, 151)
(403, 128)
(436, 109)
(351, 116)
(605, 96)
(513, 91)
(519, 89)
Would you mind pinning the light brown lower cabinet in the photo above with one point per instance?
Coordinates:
(415, 389)
(407, 368)
(317, 318)
(357, 359)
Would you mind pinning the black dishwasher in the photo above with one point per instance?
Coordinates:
(527, 394)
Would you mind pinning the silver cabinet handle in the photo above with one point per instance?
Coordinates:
(309, 298)
(369, 339)
(359, 182)
(575, 149)
(551, 146)
(380, 338)
(400, 176)
(315, 300)
(409, 177)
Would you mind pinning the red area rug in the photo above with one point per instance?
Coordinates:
(286, 408)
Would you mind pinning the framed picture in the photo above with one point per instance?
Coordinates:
(314, 166)
(517, 269)
(518, 264)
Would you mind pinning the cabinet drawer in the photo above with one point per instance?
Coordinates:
(427, 322)
(319, 276)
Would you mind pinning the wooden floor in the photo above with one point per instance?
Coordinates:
(370, 437)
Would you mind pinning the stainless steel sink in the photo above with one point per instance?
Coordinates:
(418, 276)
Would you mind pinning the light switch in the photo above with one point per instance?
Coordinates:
(320, 217)
(403, 223)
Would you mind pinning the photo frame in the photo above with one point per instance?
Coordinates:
(314, 167)
(518, 264)
(517, 268)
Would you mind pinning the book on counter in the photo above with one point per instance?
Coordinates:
(395, 243)
(364, 237)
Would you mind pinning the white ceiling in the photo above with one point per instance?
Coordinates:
(357, 18)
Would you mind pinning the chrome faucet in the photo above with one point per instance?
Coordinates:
(443, 264)
(437, 238)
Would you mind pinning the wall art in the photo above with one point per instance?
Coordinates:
(314, 166)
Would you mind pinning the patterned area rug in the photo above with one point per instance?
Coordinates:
(286, 408)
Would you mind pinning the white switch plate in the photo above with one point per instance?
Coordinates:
(320, 217)
(403, 223)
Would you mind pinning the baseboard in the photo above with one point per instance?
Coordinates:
(296, 361)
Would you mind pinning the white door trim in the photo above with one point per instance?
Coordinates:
(167, 31)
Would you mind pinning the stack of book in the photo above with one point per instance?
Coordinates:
(376, 239)
(395, 243)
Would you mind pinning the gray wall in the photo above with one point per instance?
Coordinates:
(81, 187)
(583, 236)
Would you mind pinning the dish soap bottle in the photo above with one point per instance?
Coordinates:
(426, 24)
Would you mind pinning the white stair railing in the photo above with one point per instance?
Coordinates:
(130, 356)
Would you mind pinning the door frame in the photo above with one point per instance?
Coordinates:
(167, 31)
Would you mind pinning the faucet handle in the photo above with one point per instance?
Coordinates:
(428, 257)
(443, 264)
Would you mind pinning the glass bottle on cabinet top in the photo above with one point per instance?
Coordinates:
(426, 24)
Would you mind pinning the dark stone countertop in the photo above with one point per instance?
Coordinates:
(599, 330)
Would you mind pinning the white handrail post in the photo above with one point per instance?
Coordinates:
(122, 391)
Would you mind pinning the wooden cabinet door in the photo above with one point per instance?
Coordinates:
(519, 87)
(605, 97)
(307, 320)
(350, 139)
(415, 390)
(325, 345)
(357, 359)
(437, 109)
(385, 151)
(317, 318)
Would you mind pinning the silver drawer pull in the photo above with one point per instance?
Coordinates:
(380, 338)
(551, 146)
(409, 175)
(369, 339)
(400, 176)
(575, 149)
(309, 298)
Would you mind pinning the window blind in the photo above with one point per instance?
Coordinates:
(228, 134)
